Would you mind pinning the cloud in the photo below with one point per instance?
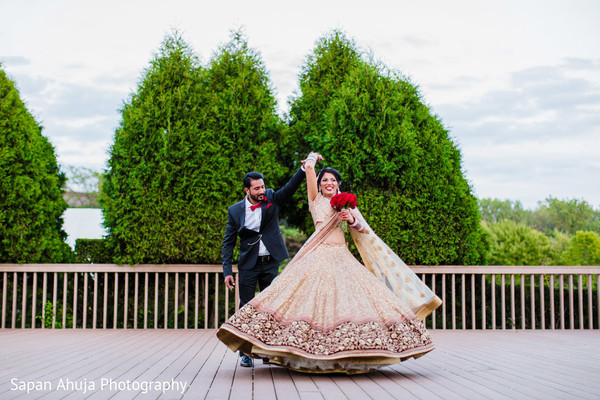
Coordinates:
(539, 103)
(84, 101)
(417, 41)
(14, 60)
(540, 133)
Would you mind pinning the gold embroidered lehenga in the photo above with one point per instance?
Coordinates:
(327, 312)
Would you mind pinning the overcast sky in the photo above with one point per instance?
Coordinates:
(517, 83)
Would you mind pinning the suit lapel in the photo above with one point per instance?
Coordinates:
(242, 214)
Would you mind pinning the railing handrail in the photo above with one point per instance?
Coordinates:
(212, 268)
(506, 269)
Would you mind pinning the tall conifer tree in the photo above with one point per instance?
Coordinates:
(31, 186)
(187, 138)
(372, 125)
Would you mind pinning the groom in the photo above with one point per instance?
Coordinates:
(255, 220)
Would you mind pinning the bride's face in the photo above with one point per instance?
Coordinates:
(329, 185)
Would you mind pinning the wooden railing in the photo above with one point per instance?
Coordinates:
(107, 296)
(111, 296)
(514, 297)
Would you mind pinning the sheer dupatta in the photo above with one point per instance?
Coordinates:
(387, 266)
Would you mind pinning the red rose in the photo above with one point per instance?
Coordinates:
(343, 200)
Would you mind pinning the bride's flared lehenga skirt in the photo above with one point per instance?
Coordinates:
(327, 313)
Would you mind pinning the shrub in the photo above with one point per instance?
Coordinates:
(517, 244)
(582, 249)
(95, 251)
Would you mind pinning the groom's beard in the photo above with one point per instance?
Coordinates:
(257, 199)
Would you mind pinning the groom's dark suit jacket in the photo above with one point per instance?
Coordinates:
(269, 232)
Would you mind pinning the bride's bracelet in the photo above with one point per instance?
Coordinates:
(312, 157)
(356, 224)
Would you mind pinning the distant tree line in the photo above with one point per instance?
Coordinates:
(557, 232)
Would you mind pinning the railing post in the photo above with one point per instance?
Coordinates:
(493, 301)
(463, 301)
(561, 287)
(453, 301)
(75, 296)
(571, 304)
(483, 310)
(4, 297)
(444, 301)
(503, 300)
(552, 317)
(542, 305)
(580, 292)
(24, 301)
(473, 297)
(136, 285)
(34, 300)
(54, 299)
(512, 302)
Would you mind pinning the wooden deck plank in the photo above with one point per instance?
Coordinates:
(465, 365)
(221, 385)
(369, 386)
(243, 381)
(104, 363)
(198, 361)
(462, 360)
(509, 359)
(284, 385)
(203, 380)
(349, 388)
(131, 367)
(454, 381)
(395, 391)
(69, 352)
(328, 387)
(159, 367)
(263, 382)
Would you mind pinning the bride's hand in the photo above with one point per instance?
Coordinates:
(346, 216)
(312, 156)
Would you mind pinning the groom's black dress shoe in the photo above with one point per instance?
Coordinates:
(246, 361)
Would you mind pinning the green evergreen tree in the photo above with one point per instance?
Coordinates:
(371, 124)
(517, 244)
(31, 186)
(186, 140)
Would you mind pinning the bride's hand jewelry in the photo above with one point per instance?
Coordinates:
(310, 160)
(346, 216)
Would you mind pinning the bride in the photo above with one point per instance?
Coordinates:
(327, 312)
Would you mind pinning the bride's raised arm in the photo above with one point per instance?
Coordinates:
(311, 176)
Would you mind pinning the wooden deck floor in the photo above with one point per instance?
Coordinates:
(188, 364)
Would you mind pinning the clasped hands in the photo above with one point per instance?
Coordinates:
(312, 157)
(345, 215)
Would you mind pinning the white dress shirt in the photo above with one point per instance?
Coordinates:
(252, 222)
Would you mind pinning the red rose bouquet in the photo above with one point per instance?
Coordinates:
(343, 200)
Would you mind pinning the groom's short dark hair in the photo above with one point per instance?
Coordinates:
(252, 176)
